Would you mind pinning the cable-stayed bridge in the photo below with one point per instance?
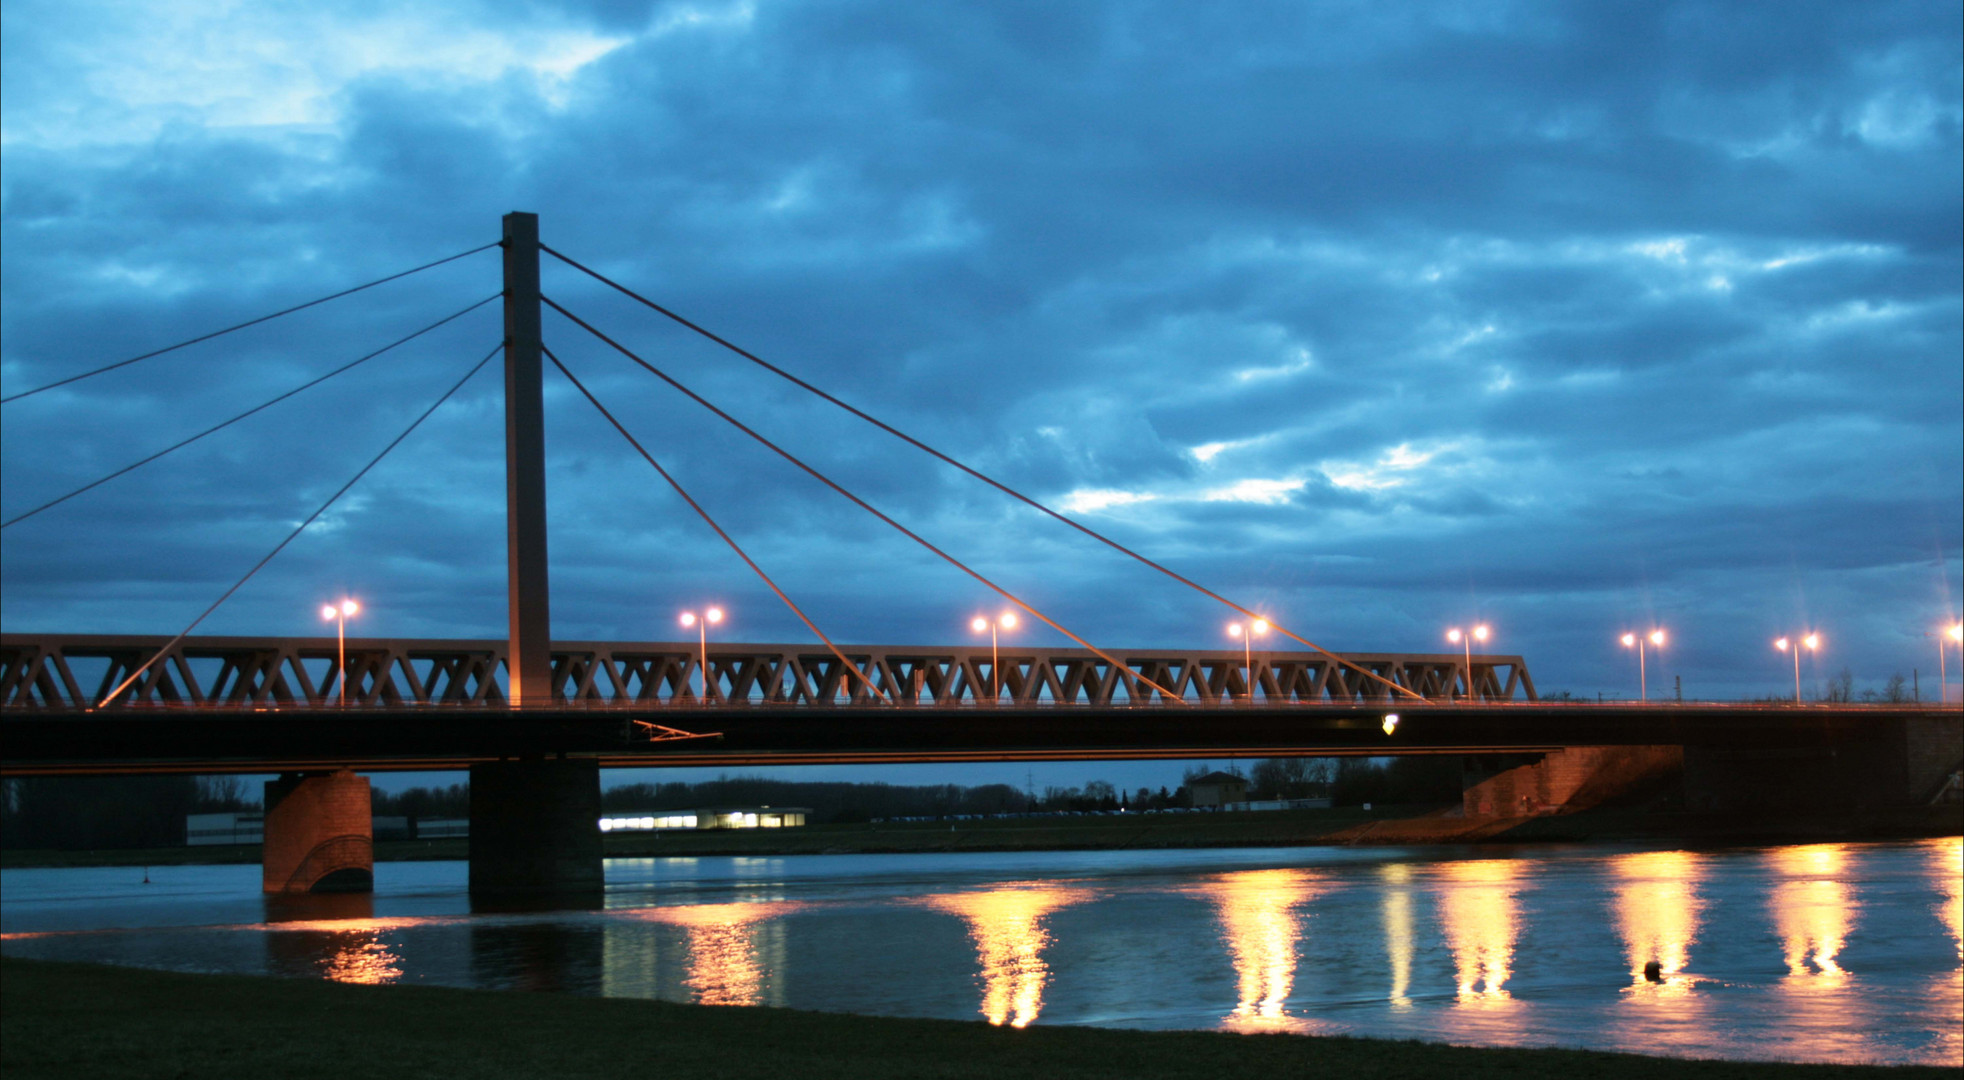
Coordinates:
(534, 718)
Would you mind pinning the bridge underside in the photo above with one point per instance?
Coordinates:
(195, 740)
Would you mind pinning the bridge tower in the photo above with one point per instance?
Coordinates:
(535, 822)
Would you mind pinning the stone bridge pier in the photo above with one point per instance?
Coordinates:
(319, 834)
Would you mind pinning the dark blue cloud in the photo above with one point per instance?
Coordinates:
(1569, 316)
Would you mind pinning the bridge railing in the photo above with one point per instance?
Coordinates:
(65, 672)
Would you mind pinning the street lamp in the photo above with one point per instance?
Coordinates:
(1655, 637)
(1813, 644)
(711, 615)
(1457, 636)
(1005, 621)
(1236, 630)
(341, 613)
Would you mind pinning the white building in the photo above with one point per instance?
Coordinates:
(720, 817)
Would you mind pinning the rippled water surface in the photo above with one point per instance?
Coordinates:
(1828, 952)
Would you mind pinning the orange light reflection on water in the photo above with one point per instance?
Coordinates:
(1259, 923)
(1812, 909)
(1947, 872)
(1398, 941)
(1006, 925)
(1657, 909)
(1477, 910)
(724, 965)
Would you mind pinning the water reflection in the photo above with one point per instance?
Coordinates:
(1257, 910)
(1397, 902)
(1477, 910)
(1007, 927)
(1657, 910)
(1812, 909)
(1947, 881)
(736, 951)
(333, 935)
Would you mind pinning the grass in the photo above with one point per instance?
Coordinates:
(68, 1020)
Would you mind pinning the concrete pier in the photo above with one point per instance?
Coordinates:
(319, 834)
(535, 827)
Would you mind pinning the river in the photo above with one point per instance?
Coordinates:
(1843, 952)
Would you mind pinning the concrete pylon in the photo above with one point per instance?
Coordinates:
(527, 591)
(319, 834)
(535, 827)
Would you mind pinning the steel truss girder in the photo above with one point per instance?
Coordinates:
(40, 672)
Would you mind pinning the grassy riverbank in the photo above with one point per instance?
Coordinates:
(66, 1020)
(1343, 825)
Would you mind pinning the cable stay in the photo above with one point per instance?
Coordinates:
(863, 504)
(243, 325)
(351, 365)
(977, 474)
(302, 527)
(704, 514)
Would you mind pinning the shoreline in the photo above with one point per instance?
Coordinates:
(1388, 826)
(65, 1019)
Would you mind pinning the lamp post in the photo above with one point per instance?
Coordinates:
(1236, 630)
(1005, 621)
(1465, 638)
(341, 613)
(710, 615)
(1655, 637)
(1813, 644)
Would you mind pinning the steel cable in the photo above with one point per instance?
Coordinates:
(863, 504)
(985, 478)
(322, 509)
(704, 514)
(242, 326)
(257, 408)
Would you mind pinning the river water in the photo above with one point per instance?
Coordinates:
(1825, 952)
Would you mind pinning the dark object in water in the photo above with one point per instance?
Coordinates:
(1654, 971)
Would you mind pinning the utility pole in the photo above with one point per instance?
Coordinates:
(528, 595)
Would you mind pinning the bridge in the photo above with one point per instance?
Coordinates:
(534, 719)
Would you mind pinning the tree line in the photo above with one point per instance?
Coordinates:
(67, 813)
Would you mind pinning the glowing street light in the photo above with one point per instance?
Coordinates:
(710, 615)
(1236, 630)
(340, 614)
(1813, 644)
(1956, 634)
(1466, 639)
(1390, 722)
(1005, 621)
(1655, 637)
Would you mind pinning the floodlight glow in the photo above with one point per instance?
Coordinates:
(1812, 641)
(688, 618)
(1480, 633)
(1390, 723)
(714, 614)
(1780, 644)
(980, 624)
(329, 611)
(1629, 640)
(1957, 632)
(1657, 637)
(1452, 636)
(1260, 626)
(1008, 620)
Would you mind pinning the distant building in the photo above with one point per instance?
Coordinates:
(1218, 789)
(719, 817)
(441, 828)
(227, 828)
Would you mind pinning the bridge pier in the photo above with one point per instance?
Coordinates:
(535, 827)
(319, 834)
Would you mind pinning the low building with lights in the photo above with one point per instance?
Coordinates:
(715, 817)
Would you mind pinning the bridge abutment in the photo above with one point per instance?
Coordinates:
(319, 834)
(1576, 778)
(535, 827)
(1902, 762)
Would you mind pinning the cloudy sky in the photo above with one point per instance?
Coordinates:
(1573, 318)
